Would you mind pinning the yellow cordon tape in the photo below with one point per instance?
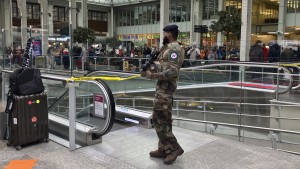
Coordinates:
(108, 78)
(290, 64)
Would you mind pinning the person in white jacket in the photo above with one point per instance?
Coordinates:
(194, 52)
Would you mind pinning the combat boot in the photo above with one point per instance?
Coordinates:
(158, 154)
(173, 156)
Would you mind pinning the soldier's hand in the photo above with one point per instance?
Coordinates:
(143, 73)
(148, 74)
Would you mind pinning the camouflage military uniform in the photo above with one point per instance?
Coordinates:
(167, 71)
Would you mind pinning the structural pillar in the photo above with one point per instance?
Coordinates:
(82, 15)
(23, 10)
(45, 24)
(164, 17)
(111, 23)
(281, 21)
(112, 20)
(2, 25)
(246, 30)
(220, 35)
(196, 19)
(72, 26)
(72, 15)
(50, 26)
(8, 32)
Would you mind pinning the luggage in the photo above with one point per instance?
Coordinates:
(28, 121)
(24, 81)
(3, 119)
(26, 105)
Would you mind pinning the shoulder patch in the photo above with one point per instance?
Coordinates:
(174, 56)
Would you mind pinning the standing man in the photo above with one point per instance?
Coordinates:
(166, 71)
(194, 53)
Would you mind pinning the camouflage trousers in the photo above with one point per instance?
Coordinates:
(162, 120)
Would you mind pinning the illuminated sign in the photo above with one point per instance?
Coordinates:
(59, 38)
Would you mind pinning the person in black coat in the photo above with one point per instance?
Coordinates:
(256, 53)
(274, 52)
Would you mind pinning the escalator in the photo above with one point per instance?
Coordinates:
(93, 117)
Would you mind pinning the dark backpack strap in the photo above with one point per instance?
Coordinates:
(10, 101)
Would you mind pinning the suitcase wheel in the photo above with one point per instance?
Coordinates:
(18, 148)
(9, 144)
(46, 140)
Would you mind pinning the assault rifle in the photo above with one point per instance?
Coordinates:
(153, 57)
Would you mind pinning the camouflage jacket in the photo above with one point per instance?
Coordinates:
(169, 61)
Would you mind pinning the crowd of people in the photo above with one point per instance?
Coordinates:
(259, 52)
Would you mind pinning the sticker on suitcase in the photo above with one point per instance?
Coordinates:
(15, 121)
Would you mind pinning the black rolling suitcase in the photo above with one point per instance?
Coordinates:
(26, 105)
(28, 121)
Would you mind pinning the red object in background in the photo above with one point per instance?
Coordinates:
(260, 86)
(266, 54)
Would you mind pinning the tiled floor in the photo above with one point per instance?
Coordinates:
(129, 148)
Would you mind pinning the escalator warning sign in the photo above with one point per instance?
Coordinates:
(99, 105)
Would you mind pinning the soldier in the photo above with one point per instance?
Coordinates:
(166, 70)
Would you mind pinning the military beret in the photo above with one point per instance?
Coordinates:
(170, 28)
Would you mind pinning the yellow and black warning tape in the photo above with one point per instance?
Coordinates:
(290, 64)
(107, 78)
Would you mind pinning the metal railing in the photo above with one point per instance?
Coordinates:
(274, 132)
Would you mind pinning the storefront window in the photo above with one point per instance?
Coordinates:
(210, 9)
(184, 38)
(36, 11)
(33, 11)
(180, 11)
(154, 14)
(29, 11)
(131, 17)
(15, 9)
(234, 5)
(265, 13)
(55, 14)
(60, 14)
(293, 6)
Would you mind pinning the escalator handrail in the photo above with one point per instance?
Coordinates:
(247, 64)
(298, 86)
(110, 101)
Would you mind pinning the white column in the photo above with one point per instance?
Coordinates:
(50, 27)
(72, 26)
(44, 25)
(246, 30)
(82, 15)
(109, 33)
(196, 19)
(8, 32)
(192, 33)
(111, 27)
(1, 24)
(72, 14)
(110, 23)
(220, 35)
(281, 21)
(23, 10)
(164, 17)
